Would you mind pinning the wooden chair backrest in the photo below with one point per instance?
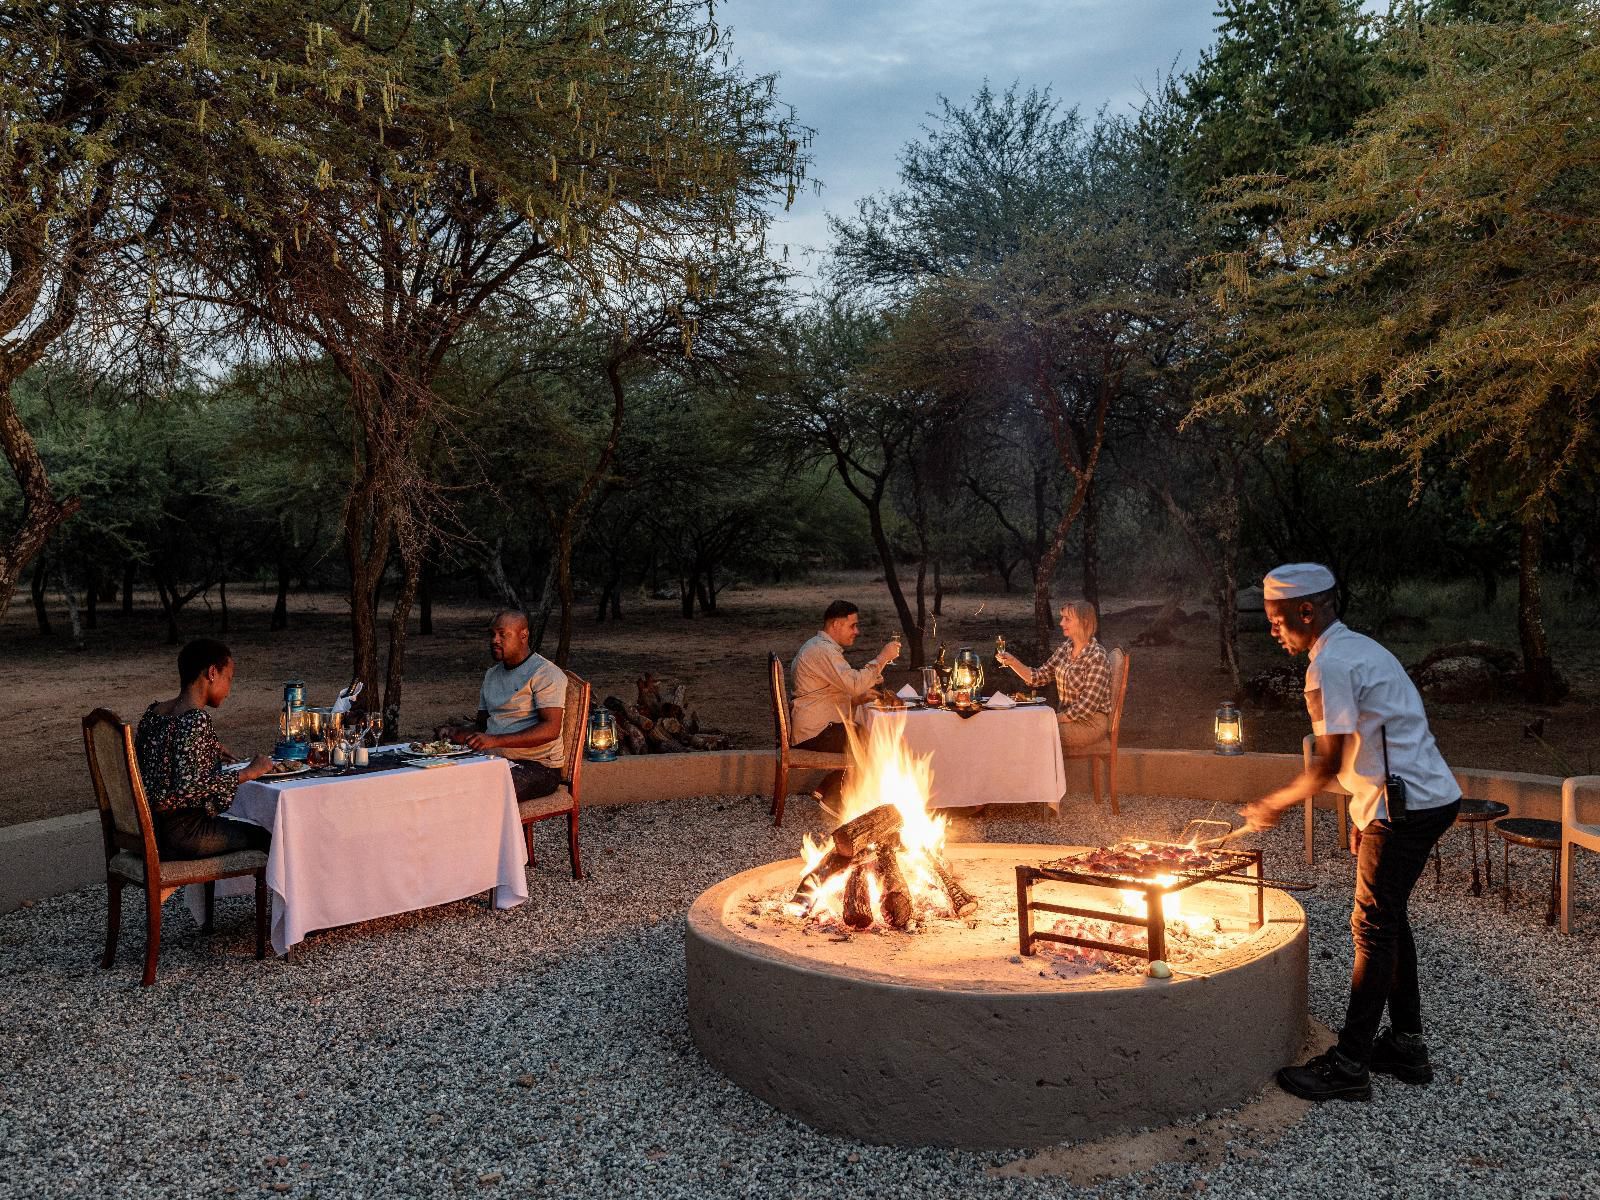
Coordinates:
(779, 689)
(118, 788)
(574, 730)
(1119, 689)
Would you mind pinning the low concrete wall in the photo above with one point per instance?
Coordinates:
(45, 858)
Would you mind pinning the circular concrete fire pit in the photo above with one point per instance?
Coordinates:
(949, 1037)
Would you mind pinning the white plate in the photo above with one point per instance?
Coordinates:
(455, 753)
(286, 772)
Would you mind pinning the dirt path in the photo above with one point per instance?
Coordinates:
(1173, 690)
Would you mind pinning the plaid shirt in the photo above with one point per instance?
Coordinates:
(1083, 683)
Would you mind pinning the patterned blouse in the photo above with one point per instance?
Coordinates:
(1082, 683)
(181, 762)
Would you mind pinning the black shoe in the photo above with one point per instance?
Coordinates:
(1329, 1076)
(1402, 1055)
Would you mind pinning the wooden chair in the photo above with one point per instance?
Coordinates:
(1575, 833)
(563, 802)
(1341, 804)
(1105, 750)
(130, 843)
(786, 756)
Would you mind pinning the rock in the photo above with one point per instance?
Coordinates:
(1460, 680)
(489, 1178)
(1501, 658)
(1281, 687)
(525, 1081)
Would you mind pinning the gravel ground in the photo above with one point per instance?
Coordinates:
(545, 1051)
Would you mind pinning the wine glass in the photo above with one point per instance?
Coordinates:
(372, 725)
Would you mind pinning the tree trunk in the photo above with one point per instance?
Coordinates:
(1538, 671)
(71, 599)
(686, 587)
(280, 610)
(41, 611)
(129, 577)
(1091, 546)
(169, 608)
(705, 592)
(368, 530)
(42, 513)
(91, 613)
(547, 600)
(891, 579)
(222, 596)
(425, 598)
(564, 594)
(399, 615)
(938, 588)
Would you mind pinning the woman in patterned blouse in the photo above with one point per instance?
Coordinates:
(180, 761)
(1081, 671)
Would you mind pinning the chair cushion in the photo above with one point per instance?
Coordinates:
(177, 871)
(558, 801)
(1092, 750)
(818, 758)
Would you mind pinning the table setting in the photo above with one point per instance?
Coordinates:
(995, 749)
(395, 828)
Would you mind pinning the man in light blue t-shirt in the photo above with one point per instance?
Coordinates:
(520, 707)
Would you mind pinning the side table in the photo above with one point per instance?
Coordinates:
(1475, 815)
(1541, 835)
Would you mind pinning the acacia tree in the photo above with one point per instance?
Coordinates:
(369, 182)
(1453, 312)
(75, 80)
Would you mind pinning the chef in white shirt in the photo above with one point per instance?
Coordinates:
(827, 689)
(1372, 736)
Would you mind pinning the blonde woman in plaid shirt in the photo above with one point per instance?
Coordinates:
(1081, 671)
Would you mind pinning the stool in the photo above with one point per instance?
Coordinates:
(1541, 835)
(1475, 814)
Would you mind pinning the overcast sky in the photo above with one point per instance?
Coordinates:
(865, 74)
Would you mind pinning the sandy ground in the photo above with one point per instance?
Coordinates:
(1173, 691)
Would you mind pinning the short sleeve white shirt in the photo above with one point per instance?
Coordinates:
(1356, 687)
(512, 699)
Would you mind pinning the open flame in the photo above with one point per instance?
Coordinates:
(884, 772)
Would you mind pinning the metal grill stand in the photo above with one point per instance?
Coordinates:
(1226, 866)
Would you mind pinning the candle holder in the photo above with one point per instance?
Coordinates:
(1228, 729)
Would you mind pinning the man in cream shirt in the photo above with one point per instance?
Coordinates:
(826, 688)
(1370, 728)
(520, 709)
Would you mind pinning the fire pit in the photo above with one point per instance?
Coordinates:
(875, 987)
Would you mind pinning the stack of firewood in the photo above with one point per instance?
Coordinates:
(661, 722)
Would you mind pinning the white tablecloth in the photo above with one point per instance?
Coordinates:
(364, 846)
(1000, 756)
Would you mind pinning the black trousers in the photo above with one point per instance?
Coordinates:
(533, 780)
(833, 740)
(194, 833)
(1390, 856)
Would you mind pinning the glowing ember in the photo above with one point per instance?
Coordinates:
(884, 774)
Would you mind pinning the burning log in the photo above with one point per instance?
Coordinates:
(874, 825)
(962, 902)
(831, 864)
(896, 892)
(857, 899)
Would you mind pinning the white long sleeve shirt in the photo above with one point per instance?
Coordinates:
(826, 688)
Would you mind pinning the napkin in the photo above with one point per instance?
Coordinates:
(347, 697)
(908, 693)
(1000, 700)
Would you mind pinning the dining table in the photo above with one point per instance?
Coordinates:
(997, 755)
(404, 833)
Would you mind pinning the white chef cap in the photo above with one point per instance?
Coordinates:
(1293, 580)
